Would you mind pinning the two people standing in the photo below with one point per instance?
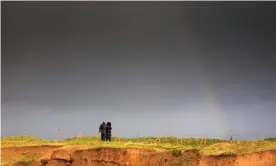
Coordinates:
(105, 130)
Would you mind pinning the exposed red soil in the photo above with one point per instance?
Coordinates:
(53, 156)
(256, 159)
(16, 153)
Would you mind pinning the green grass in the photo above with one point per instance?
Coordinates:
(155, 143)
(17, 141)
(239, 147)
(270, 139)
(212, 146)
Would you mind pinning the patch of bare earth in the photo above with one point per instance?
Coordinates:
(255, 159)
(19, 153)
(55, 156)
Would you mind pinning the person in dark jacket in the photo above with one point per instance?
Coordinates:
(102, 130)
(108, 131)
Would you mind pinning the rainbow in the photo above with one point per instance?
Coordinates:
(220, 117)
(220, 122)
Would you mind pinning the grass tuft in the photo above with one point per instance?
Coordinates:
(176, 153)
(28, 160)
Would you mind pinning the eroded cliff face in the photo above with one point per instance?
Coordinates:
(118, 157)
(56, 156)
(256, 159)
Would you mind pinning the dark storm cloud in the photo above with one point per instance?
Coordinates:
(136, 62)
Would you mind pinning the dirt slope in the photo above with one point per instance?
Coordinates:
(55, 156)
(256, 159)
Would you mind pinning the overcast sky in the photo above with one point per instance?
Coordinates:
(157, 68)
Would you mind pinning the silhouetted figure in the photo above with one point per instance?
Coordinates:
(108, 131)
(102, 130)
(231, 138)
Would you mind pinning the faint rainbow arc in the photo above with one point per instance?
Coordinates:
(217, 110)
(214, 106)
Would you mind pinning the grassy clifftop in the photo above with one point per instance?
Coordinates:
(212, 146)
